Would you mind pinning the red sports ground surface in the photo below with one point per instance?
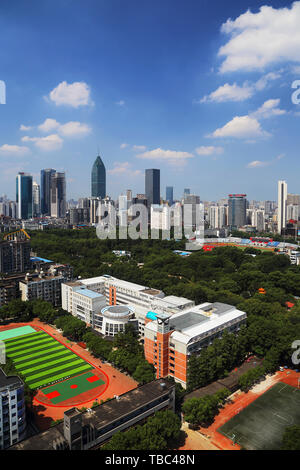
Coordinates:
(112, 382)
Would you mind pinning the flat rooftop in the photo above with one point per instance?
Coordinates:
(82, 290)
(9, 381)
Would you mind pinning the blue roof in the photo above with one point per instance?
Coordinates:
(87, 292)
(36, 258)
(151, 315)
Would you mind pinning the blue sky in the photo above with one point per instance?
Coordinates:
(200, 89)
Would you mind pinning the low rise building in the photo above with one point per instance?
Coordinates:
(91, 429)
(42, 286)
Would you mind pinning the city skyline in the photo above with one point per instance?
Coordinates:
(201, 114)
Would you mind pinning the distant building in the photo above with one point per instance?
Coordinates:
(282, 202)
(58, 195)
(237, 205)
(24, 196)
(44, 286)
(45, 190)
(36, 199)
(152, 186)
(98, 178)
(12, 410)
(169, 195)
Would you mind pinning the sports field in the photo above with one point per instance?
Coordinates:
(260, 426)
(40, 358)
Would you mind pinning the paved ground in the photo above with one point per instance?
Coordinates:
(196, 441)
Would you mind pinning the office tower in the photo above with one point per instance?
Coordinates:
(36, 199)
(237, 205)
(45, 190)
(192, 212)
(160, 217)
(281, 211)
(24, 196)
(98, 179)
(217, 216)
(186, 192)
(129, 194)
(169, 195)
(12, 406)
(152, 186)
(58, 195)
(123, 210)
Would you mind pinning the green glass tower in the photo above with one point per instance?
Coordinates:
(98, 178)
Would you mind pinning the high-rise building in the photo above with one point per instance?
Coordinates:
(45, 190)
(186, 192)
(281, 211)
(169, 195)
(237, 205)
(58, 195)
(152, 186)
(12, 406)
(293, 199)
(36, 199)
(98, 179)
(24, 196)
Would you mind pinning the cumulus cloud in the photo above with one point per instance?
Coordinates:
(235, 92)
(71, 94)
(241, 127)
(123, 146)
(120, 103)
(48, 125)
(260, 39)
(269, 109)
(74, 129)
(48, 143)
(209, 150)
(124, 168)
(25, 128)
(14, 150)
(173, 157)
(229, 93)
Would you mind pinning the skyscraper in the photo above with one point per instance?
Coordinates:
(98, 179)
(237, 204)
(282, 200)
(58, 195)
(45, 190)
(169, 195)
(152, 186)
(24, 196)
(36, 201)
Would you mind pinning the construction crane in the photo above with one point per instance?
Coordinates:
(14, 235)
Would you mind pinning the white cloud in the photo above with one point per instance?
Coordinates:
(209, 150)
(48, 143)
(123, 146)
(124, 168)
(120, 103)
(74, 129)
(257, 164)
(139, 148)
(229, 93)
(173, 157)
(269, 109)
(241, 127)
(235, 92)
(258, 40)
(14, 150)
(49, 125)
(25, 128)
(71, 94)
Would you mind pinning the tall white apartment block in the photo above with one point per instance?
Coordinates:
(281, 211)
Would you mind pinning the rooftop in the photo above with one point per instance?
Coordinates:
(82, 290)
(9, 381)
